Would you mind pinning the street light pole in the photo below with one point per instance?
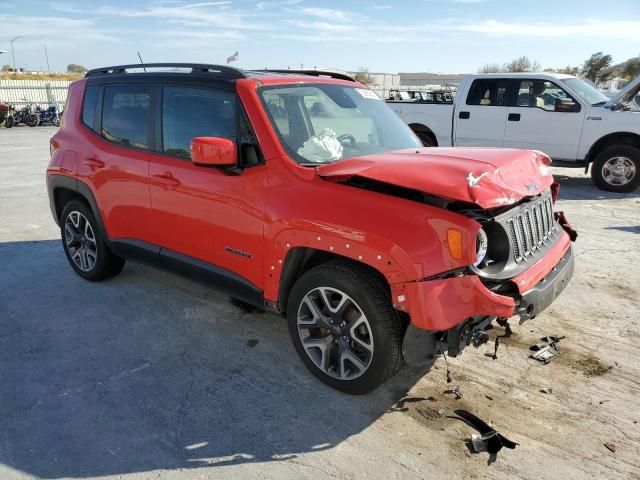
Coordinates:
(13, 54)
(46, 55)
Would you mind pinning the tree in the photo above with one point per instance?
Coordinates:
(73, 68)
(7, 68)
(631, 68)
(362, 76)
(596, 67)
(522, 64)
(569, 70)
(490, 68)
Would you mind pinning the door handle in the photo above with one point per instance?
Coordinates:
(514, 117)
(166, 178)
(464, 115)
(93, 162)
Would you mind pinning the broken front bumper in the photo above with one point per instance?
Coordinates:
(439, 305)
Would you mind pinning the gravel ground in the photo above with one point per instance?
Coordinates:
(150, 375)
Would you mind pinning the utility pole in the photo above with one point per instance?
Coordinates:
(46, 55)
(13, 54)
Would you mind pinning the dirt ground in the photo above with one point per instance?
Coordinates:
(151, 376)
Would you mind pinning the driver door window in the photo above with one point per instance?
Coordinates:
(545, 95)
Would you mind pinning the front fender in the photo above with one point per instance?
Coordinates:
(380, 254)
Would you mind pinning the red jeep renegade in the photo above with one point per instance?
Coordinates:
(302, 193)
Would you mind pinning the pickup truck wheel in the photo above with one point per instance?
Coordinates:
(426, 138)
(344, 328)
(617, 169)
(86, 250)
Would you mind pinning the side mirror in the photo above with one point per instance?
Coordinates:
(567, 105)
(213, 152)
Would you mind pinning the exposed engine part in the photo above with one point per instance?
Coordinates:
(422, 346)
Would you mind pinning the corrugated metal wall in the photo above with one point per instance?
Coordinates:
(37, 92)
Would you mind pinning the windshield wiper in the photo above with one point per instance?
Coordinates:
(599, 104)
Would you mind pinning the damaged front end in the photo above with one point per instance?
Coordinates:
(527, 263)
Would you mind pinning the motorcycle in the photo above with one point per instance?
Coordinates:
(4, 112)
(51, 115)
(25, 115)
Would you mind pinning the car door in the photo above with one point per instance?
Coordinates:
(206, 216)
(115, 157)
(479, 120)
(543, 116)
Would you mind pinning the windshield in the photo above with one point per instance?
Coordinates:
(324, 123)
(586, 92)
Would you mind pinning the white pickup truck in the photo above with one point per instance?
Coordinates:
(561, 115)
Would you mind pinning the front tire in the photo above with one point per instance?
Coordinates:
(85, 248)
(33, 120)
(9, 122)
(344, 328)
(617, 169)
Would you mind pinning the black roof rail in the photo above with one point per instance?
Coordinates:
(314, 73)
(230, 72)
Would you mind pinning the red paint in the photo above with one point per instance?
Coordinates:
(272, 208)
(488, 177)
(212, 151)
(442, 304)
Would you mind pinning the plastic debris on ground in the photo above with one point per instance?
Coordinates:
(488, 440)
(547, 349)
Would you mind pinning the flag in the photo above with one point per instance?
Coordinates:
(233, 57)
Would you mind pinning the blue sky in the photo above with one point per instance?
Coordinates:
(415, 35)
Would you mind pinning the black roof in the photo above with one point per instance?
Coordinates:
(219, 71)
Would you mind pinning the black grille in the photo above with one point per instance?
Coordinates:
(531, 227)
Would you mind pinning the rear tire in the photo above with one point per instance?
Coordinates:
(352, 316)
(617, 169)
(9, 122)
(85, 248)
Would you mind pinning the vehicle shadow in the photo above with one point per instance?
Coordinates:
(149, 371)
(582, 188)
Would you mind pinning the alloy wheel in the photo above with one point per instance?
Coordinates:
(335, 333)
(80, 241)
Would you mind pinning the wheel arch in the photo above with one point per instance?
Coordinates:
(300, 260)
(63, 189)
(421, 128)
(616, 138)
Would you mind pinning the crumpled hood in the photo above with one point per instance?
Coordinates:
(627, 93)
(487, 177)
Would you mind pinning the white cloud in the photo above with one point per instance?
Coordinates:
(328, 14)
(586, 28)
(68, 30)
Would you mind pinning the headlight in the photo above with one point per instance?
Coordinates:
(482, 245)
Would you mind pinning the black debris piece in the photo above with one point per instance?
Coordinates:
(489, 440)
(454, 390)
(611, 447)
(252, 342)
(547, 390)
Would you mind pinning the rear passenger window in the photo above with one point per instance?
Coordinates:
(125, 115)
(491, 92)
(89, 107)
(189, 112)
